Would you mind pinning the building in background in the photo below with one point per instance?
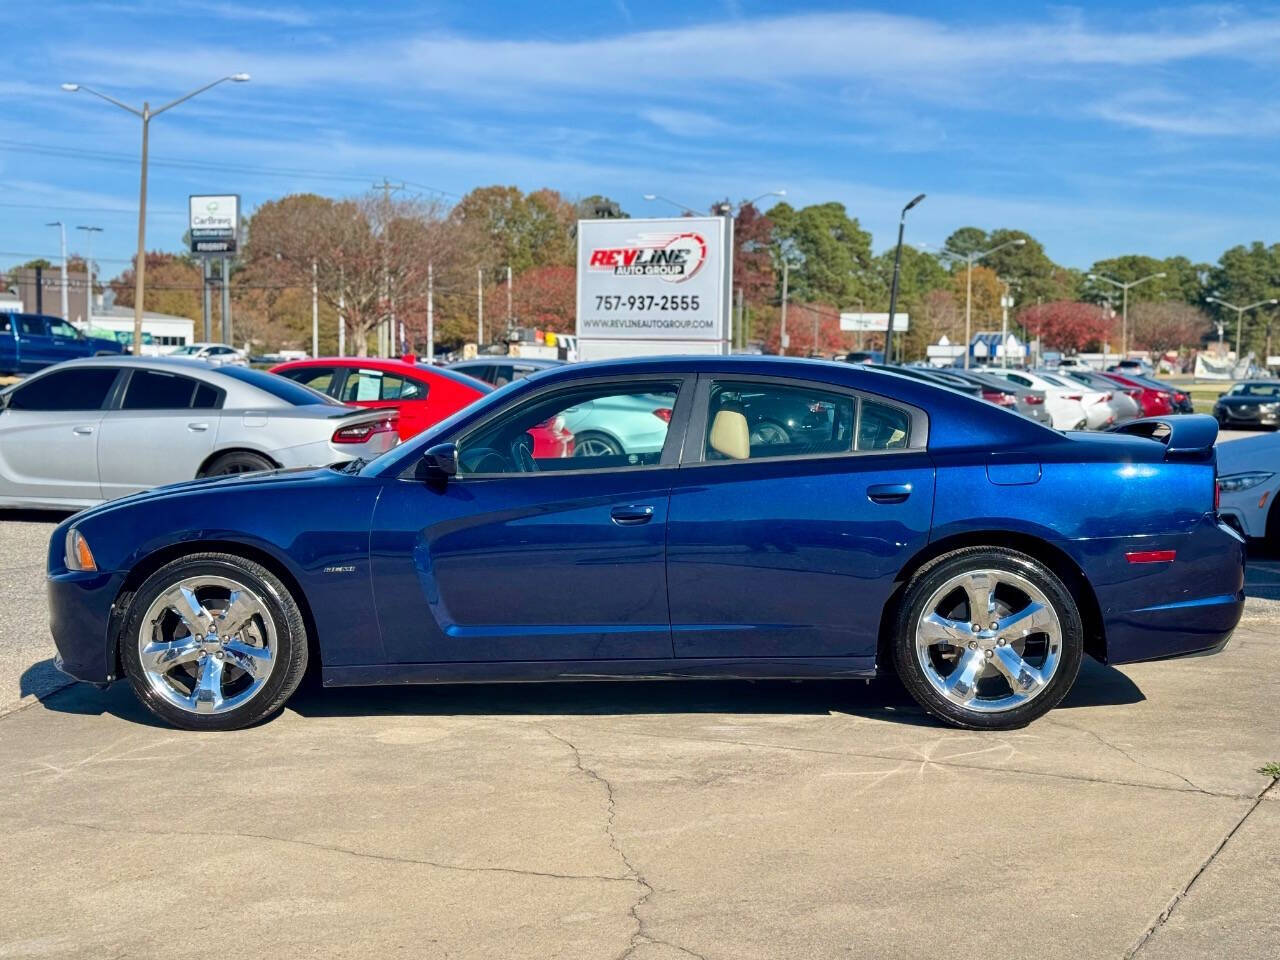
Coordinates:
(161, 332)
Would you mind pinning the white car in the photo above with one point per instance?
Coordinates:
(218, 354)
(1097, 403)
(1063, 403)
(85, 431)
(1249, 479)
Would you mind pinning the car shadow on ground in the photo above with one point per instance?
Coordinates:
(883, 698)
(1262, 573)
(46, 517)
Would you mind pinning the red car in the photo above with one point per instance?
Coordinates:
(423, 395)
(1154, 403)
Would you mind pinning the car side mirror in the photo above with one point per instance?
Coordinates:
(439, 462)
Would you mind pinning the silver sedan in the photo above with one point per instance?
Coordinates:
(91, 430)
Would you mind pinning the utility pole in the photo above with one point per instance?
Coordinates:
(226, 302)
(510, 321)
(62, 232)
(742, 319)
(342, 312)
(387, 327)
(88, 269)
(783, 340)
(431, 316)
(315, 313)
(206, 271)
(1006, 301)
(479, 308)
(815, 352)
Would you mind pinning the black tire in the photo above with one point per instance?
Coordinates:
(594, 436)
(289, 658)
(237, 461)
(931, 578)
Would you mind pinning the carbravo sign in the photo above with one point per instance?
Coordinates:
(653, 286)
(214, 224)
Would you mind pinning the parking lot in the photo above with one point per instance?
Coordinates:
(732, 820)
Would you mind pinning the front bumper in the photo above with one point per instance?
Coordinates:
(1254, 417)
(82, 622)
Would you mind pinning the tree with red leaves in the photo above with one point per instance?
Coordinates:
(1066, 325)
(543, 297)
(800, 330)
(752, 260)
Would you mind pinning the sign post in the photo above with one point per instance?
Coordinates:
(214, 229)
(649, 287)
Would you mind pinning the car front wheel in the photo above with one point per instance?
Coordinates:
(988, 639)
(214, 641)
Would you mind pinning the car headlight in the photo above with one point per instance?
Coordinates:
(78, 554)
(1235, 482)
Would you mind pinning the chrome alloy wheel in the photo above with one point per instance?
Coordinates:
(989, 640)
(594, 447)
(207, 644)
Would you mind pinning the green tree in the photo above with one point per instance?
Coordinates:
(1182, 281)
(829, 254)
(1243, 276)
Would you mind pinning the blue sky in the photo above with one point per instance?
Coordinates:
(1100, 128)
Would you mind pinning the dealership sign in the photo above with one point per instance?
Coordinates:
(653, 286)
(872, 322)
(214, 224)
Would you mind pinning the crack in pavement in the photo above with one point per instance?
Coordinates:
(942, 762)
(1167, 912)
(639, 937)
(1129, 756)
(328, 847)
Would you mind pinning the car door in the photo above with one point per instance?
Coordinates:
(67, 342)
(35, 351)
(161, 430)
(49, 434)
(795, 508)
(519, 558)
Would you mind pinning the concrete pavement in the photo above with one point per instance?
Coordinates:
(653, 821)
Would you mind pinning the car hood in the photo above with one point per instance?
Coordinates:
(1239, 401)
(292, 475)
(1249, 453)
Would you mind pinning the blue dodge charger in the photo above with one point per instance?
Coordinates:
(794, 519)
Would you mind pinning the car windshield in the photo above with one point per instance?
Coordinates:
(294, 394)
(1270, 390)
(490, 402)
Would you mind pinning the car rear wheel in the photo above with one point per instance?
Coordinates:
(238, 461)
(988, 639)
(214, 642)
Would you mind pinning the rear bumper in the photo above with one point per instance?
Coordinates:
(1153, 611)
(80, 617)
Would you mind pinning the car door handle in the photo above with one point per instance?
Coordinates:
(888, 492)
(197, 427)
(82, 431)
(631, 516)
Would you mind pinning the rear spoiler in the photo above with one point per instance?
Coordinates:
(1187, 437)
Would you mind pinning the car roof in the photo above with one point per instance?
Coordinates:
(545, 362)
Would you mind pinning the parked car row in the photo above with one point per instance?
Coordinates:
(32, 341)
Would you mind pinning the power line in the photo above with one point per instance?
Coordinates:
(103, 156)
(122, 210)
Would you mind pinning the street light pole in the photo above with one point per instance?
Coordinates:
(88, 269)
(1124, 303)
(62, 232)
(1240, 312)
(479, 308)
(145, 115)
(970, 259)
(893, 288)
(315, 312)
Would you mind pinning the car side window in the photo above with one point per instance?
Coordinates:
(882, 427)
(1022, 381)
(85, 388)
(158, 390)
(375, 385)
(602, 427)
(317, 378)
(31, 326)
(6, 323)
(753, 421)
(60, 328)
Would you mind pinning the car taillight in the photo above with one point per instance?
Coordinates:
(362, 432)
(1034, 399)
(1180, 397)
(1074, 396)
(998, 397)
(1106, 398)
(663, 414)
